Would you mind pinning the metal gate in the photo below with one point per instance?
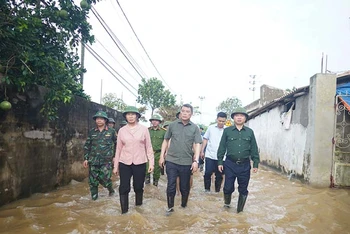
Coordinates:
(341, 144)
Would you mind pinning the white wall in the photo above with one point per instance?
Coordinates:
(280, 147)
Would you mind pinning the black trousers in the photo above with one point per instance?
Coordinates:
(233, 171)
(137, 172)
(173, 171)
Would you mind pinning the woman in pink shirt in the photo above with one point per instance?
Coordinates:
(134, 149)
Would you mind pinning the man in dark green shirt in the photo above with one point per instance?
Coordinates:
(182, 155)
(239, 144)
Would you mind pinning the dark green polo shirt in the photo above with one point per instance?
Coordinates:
(181, 145)
(238, 145)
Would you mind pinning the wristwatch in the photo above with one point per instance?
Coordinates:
(196, 161)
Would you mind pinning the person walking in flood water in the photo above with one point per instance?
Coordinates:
(211, 141)
(134, 149)
(180, 158)
(98, 154)
(157, 136)
(239, 144)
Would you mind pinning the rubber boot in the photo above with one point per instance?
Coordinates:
(138, 199)
(110, 190)
(184, 200)
(124, 203)
(155, 182)
(94, 193)
(171, 201)
(148, 179)
(227, 198)
(207, 185)
(218, 185)
(241, 202)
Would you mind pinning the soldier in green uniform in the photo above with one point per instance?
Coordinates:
(111, 123)
(157, 136)
(98, 154)
(239, 144)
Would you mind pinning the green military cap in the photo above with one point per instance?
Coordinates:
(240, 110)
(131, 109)
(100, 114)
(111, 120)
(124, 122)
(156, 117)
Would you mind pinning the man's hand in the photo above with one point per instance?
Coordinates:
(115, 171)
(150, 169)
(161, 162)
(86, 163)
(202, 155)
(221, 168)
(194, 167)
(255, 170)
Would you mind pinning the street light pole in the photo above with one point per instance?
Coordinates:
(201, 98)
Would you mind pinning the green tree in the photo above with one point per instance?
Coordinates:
(111, 100)
(39, 46)
(229, 105)
(151, 92)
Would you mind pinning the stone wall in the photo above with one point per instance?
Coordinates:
(37, 155)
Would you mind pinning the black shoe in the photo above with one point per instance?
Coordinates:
(241, 202)
(184, 200)
(94, 193)
(227, 198)
(138, 199)
(124, 203)
(171, 201)
(111, 191)
(155, 182)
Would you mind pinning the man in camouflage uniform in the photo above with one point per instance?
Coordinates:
(157, 136)
(111, 123)
(99, 153)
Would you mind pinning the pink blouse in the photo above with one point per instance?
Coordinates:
(134, 146)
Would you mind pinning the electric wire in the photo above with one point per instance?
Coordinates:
(142, 45)
(102, 61)
(107, 29)
(116, 60)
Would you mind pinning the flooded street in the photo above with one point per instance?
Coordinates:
(275, 205)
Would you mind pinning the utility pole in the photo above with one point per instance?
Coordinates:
(101, 92)
(82, 60)
(253, 83)
(201, 98)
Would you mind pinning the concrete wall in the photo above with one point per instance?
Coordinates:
(306, 147)
(279, 147)
(37, 155)
(318, 153)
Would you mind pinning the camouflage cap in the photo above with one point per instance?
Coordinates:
(100, 114)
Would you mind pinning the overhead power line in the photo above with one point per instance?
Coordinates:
(116, 60)
(105, 64)
(108, 30)
(142, 45)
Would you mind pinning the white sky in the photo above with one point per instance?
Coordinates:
(209, 48)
